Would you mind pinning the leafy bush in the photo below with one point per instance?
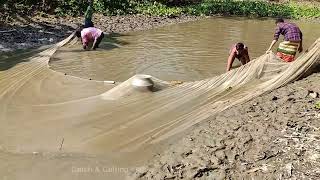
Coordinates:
(158, 9)
(242, 8)
(70, 7)
(317, 105)
(179, 2)
(165, 7)
(304, 11)
(107, 7)
(115, 7)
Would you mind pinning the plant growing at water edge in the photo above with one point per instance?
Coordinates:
(241, 8)
(106, 7)
(305, 11)
(317, 105)
(165, 7)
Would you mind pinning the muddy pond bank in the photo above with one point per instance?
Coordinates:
(275, 136)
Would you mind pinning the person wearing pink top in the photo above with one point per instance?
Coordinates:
(239, 51)
(90, 35)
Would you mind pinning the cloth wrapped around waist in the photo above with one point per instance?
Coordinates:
(287, 50)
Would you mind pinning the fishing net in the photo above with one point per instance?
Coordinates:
(40, 107)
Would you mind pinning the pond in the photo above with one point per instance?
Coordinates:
(187, 52)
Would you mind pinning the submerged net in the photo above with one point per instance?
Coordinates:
(40, 107)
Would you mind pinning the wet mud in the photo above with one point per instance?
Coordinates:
(274, 136)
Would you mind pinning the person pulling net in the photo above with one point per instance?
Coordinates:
(88, 33)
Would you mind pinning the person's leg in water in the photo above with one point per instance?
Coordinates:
(88, 15)
(96, 45)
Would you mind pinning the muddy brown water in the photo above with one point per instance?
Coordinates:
(190, 51)
(187, 52)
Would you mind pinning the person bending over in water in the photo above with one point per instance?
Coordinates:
(292, 40)
(90, 35)
(239, 51)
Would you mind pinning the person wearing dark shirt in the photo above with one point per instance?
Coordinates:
(292, 40)
(88, 15)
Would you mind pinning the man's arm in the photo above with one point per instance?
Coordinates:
(230, 60)
(84, 42)
(94, 44)
(277, 33)
(271, 45)
(300, 46)
(275, 39)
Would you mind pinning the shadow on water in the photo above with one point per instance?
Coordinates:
(111, 41)
(113, 38)
(107, 46)
(11, 59)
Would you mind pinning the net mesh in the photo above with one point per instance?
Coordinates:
(39, 107)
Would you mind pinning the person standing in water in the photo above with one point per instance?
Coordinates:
(90, 34)
(292, 40)
(239, 51)
(88, 15)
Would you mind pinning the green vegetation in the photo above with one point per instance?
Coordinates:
(317, 105)
(167, 7)
(233, 7)
(299, 11)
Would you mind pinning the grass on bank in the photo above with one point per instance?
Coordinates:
(233, 7)
(317, 105)
(252, 8)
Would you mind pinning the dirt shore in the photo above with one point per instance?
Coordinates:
(27, 32)
(275, 136)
